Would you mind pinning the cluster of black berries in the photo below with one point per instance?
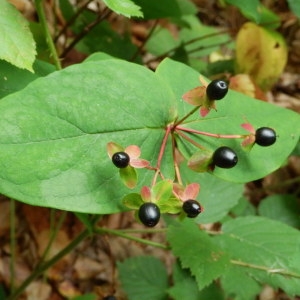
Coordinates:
(223, 157)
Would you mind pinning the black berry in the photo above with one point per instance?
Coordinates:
(216, 90)
(192, 208)
(265, 136)
(120, 159)
(149, 214)
(110, 298)
(224, 157)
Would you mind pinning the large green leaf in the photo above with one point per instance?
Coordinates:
(54, 134)
(231, 113)
(197, 251)
(144, 278)
(17, 44)
(264, 250)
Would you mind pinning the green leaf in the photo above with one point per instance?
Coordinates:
(231, 113)
(162, 190)
(13, 79)
(295, 7)
(170, 205)
(55, 131)
(126, 8)
(250, 9)
(17, 44)
(143, 278)
(263, 249)
(243, 208)
(283, 208)
(185, 287)
(203, 257)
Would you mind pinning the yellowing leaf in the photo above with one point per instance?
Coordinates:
(261, 53)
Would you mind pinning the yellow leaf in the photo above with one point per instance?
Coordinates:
(261, 53)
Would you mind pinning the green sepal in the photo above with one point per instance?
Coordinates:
(200, 161)
(129, 176)
(133, 201)
(171, 206)
(162, 190)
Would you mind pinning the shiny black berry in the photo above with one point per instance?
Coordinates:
(265, 136)
(120, 159)
(149, 214)
(192, 208)
(224, 157)
(216, 90)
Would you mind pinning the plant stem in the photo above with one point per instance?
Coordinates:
(144, 41)
(42, 268)
(41, 14)
(263, 268)
(176, 167)
(190, 140)
(130, 237)
(161, 153)
(12, 212)
(215, 135)
(185, 117)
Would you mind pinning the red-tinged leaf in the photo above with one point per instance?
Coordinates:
(129, 176)
(248, 127)
(178, 190)
(146, 194)
(112, 148)
(139, 163)
(162, 190)
(133, 201)
(191, 191)
(133, 151)
(195, 96)
(248, 141)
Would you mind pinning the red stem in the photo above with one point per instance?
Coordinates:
(190, 140)
(215, 135)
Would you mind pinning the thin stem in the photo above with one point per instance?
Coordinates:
(12, 212)
(72, 20)
(42, 268)
(130, 237)
(185, 44)
(158, 230)
(43, 20)
(263, 268)
(190, 140)
(161, 153)
(86, 30)
(176, 167)
(54, 232)
(186, 116)
(215, 135)
(207, 47)
(144, 41)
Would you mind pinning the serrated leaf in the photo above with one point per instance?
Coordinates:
(262, 248)
(17, 44)
(143, 278)
(284, 208)
(203, 257)
(230, 114)
(185, 287)
(55, 131)
(126, 8)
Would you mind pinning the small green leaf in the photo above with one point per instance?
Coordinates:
(17, 44)
(206, 260)
(133, 201)
(284, 208)
(200, 161)
(143, 278)
(126, 8)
